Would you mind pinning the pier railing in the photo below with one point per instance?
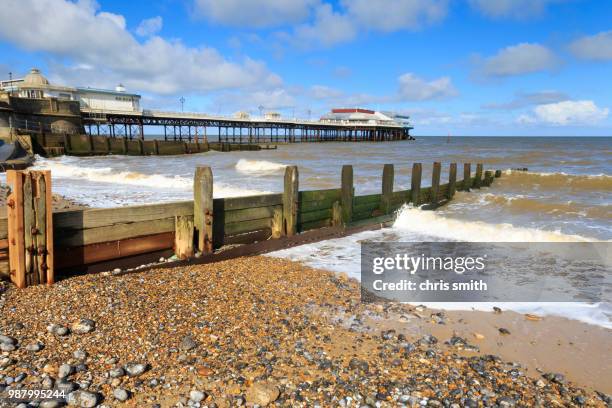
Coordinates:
(35, 243)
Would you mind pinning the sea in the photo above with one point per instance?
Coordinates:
(565, 196)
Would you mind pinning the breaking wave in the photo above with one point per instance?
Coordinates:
(259, 167)
(430, 223)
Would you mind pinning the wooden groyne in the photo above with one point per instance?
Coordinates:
(36, 244)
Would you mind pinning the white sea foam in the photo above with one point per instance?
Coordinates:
(343, 255)
(259, 167)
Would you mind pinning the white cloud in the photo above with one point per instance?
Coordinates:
(566, 113)
(525, 99)
(594, 47)
(511, 8)
(329, 28)
(86, 37)
(519, 59)
(257, 14)
(334, 26)
(149, 26)
(387, 16)
(414, 88)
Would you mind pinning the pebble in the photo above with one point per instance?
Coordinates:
(135, 369)
(120, 394)
(7, 347)
(83, 399)
(51, 403)
(64, 371)
(196, 396)
(262, 393)
(80, 355)
(83, 326)
(504, 331)
(116, 372)
(8, 340)
(35, 347)
(58, 330)
(188, 343)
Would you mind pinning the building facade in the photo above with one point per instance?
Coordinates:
(35, 86)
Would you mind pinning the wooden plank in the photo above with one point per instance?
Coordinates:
(49, 265)
(29, 223)
(100, 217)
(88, 254)
(14, 180)
(365, 207)
(314, 215)
(183, 236)
(203, 208)
(40, 209)
(452, 180)
(277, 222)
(415, 183)
(316, 205)
(327, 222)
(237, 203)
(337, 214)
(435, 182)
(366, 199)
(347, 192)
(290, 200)
(478, 176)
(3, 228)
(318, 195)
(79, 237)
(246, 214)
(387, 187)
(247, 226)
(467, 180)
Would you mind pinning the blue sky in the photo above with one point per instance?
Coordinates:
(464, 67)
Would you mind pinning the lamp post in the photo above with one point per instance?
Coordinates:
(182, 101)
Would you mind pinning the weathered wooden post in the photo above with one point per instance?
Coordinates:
(108, 144)
(125, 145)
(203, 209)
(156, 147)
(478, 176)
(435, 182)
(141, 146)
(452, 180)
(67, 143)
(183, 236)
(290, 201)
(467, 177)
(30, 227)
(336, 214)
(488, 178)
(387, 188)
(90, 142)
(347, 194)
(415, 188)
(498, 173)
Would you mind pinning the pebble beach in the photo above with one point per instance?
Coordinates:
(266, 332)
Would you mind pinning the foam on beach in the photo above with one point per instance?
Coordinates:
(259, 167)
(342, 255)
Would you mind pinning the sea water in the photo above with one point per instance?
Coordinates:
(565, 196)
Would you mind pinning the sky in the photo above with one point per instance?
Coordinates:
(459, 67)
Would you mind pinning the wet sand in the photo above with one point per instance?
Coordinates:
(272, 332)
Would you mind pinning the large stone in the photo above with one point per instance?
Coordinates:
(8, 340)
(120, 394)
(135, 369)
(262, 393)
(83, 326)
(188, 343)
(83, 399)
(64, 371)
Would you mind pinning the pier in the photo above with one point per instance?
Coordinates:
(240, 130)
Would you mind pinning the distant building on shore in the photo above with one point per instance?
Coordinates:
(35, 86)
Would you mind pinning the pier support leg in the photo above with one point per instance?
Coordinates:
(415, 188)
(203, 209)
(290, 201)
